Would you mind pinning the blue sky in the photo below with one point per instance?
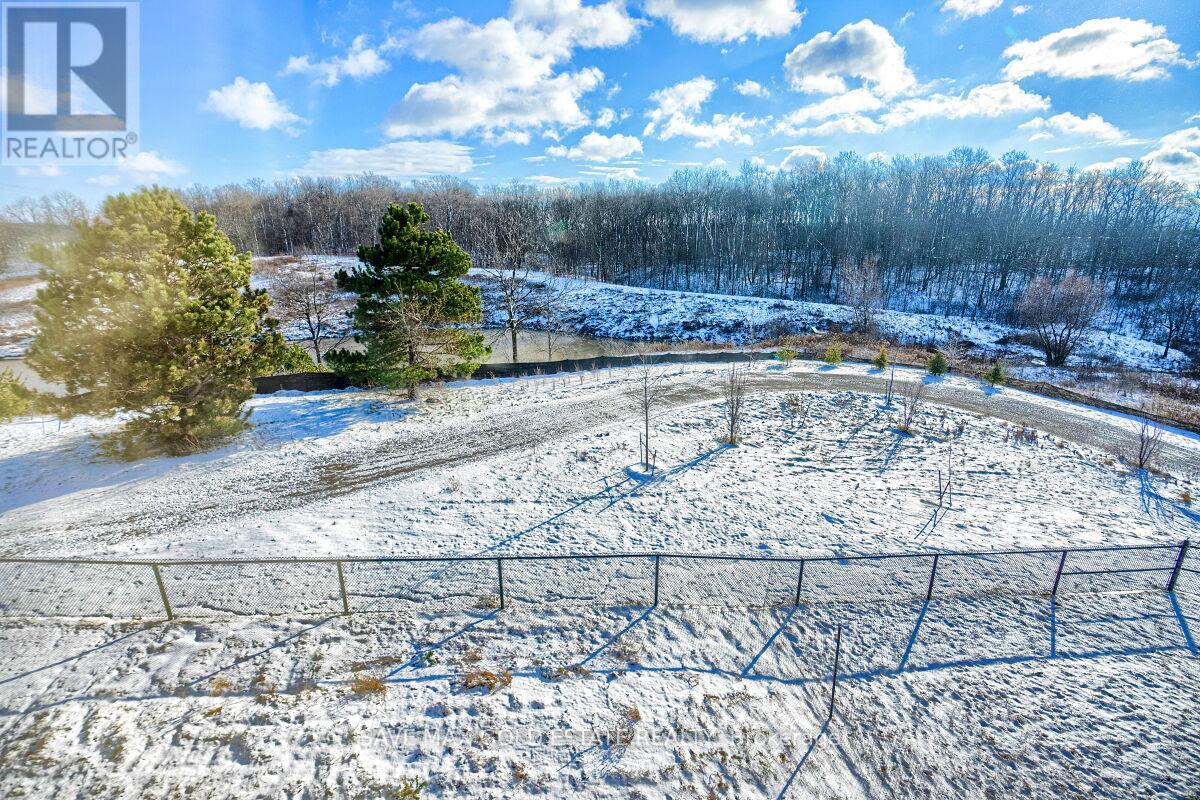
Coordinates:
(553, 91)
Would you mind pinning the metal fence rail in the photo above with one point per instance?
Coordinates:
(319, 586)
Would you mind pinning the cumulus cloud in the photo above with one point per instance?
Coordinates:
(360, 61)
(506, 75)
(749, 88)
(1019, 10)
(862, 50)
(1105, 166)
(1178, 155)
(251, 105)
(849, 105)
(607, 117)
(676, 112)
(1115, 47)
(726, 20)
(614, 173)
(803, 154)
(987, 100)
(145, 167)
(403, 159)
(599, 148)
(1093, 128)
(965, 9)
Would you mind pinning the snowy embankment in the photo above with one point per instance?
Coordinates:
(603, 309)
(622, 312)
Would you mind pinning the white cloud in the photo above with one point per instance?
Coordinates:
(549, 180)
(142, 168)
(749, 88)
(677, 111)
(1093, 128)
(854, 102)
(965, 9)
(862, 50)
(1019, 10)
(404, 159)
(727, 20)
(1178, 155)
(251, 105)
(614, 173)
(1193, 118)
(360, 62)
(1105, 166)
(716, 163)
(599, 148)
(802, 155)
(506, 77)
(605, 118)
(987, 100)
(878, 155)
(1116, 47)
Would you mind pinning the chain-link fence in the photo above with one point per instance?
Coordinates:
(314, 587)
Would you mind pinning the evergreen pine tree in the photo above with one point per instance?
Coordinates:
(938, 364)
(410, 300)
(880, 361)
(149, 309)
(14, 397)
(995, 374)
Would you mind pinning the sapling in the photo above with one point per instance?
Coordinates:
(938, 364)
(881, 358)
(787, 355)
(995, 374)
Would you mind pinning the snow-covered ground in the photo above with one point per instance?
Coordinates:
(605, 309)
(622, 312)
(993, 696)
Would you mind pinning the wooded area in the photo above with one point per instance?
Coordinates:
(961, 233)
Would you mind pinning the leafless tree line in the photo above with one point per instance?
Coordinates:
(962, 233)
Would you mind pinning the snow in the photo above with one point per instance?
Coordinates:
(623, 312)
(604, 309)
(974, 697)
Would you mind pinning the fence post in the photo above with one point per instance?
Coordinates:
(799, 583)
(1183, 548)
(655, 604)
(1058, 575)
(342, 586)
(500, 577)
(932, 576)
(162, 591)
(837, 657)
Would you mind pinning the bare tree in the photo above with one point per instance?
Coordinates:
(1059, 314)
(1149, 440)
(862, 290)
(516, 299)
(312, 301)
(912, 393)
(1179, 310)
(733, 389)
(649, 390)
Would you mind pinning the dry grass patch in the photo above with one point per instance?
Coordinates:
(367, 685)
(487, 679)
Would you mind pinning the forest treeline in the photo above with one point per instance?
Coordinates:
(961, 233)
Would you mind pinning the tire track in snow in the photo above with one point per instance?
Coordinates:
(220, 497)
